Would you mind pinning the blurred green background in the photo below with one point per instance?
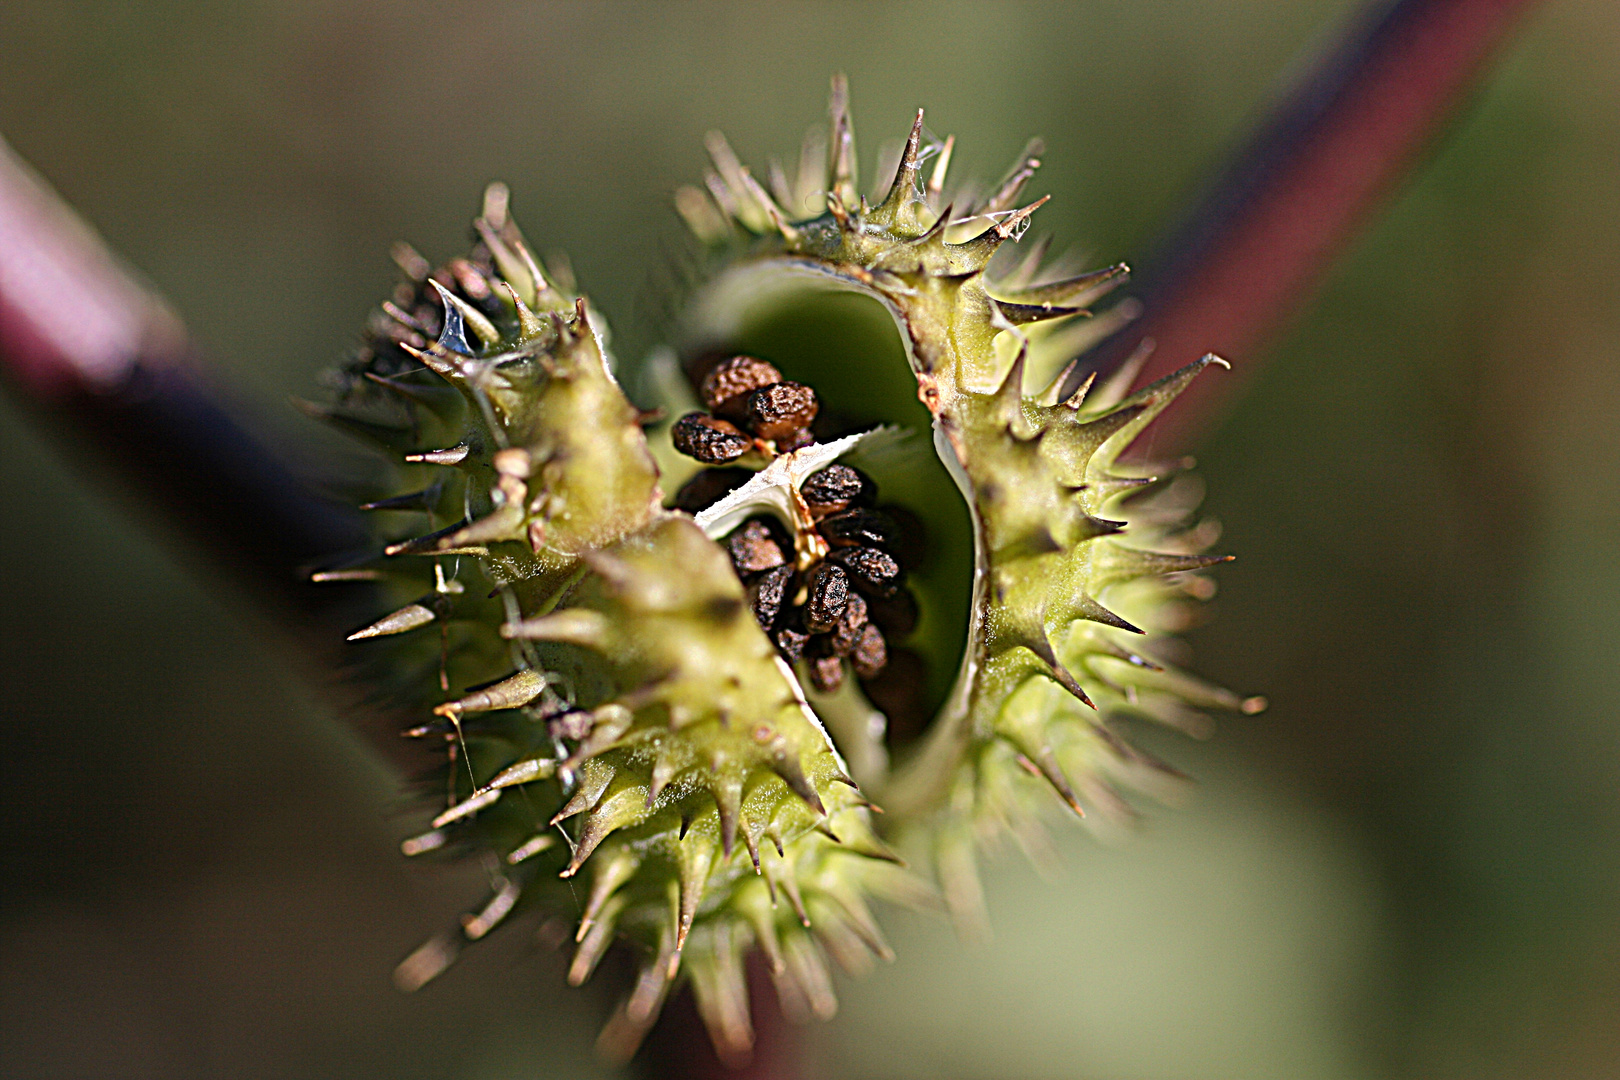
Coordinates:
(1409, 867)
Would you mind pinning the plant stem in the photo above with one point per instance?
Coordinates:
(1241, 264)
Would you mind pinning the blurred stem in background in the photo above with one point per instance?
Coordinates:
(111, 367)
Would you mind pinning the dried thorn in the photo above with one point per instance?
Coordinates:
(1082, 287)
(1047, 767)
(427, 963)
(576, 626)
(321, 576)
(905, 173)
(524, 772)
(454, 455)
(468, 807)
(425, 499)
(1024, 314)
(406, 618)
(512, 692)
(936, 180)
(499, 906)
(431, 840)
(1009, 228)
(1024, 168)
(530, 848)
(841, 164)
(424, 544)
(410, 262)
(1076, 399)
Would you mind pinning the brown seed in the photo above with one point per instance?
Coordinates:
(827, 674)
(829, 595)
(790, 639)
(781, 409)
(871, 653)
(711, 441)
(896, 615)
(836, 488)
(708, 487)
(766, 593)
(859, 528)
(874, 572)
(848, 631)
(726, 387)
(754, 547)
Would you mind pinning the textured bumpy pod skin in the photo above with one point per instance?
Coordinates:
(621, 734)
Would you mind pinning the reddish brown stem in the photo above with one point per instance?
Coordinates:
(110, 373)
(1247, 256)
(86, 344)
(678, 1048)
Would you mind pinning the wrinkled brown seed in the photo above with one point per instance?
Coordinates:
(873, 571)
(859, 528)
(767, 592)
(708, 487)
(755, 547)
(726, 388)
(790, 641)
(711, 441)
(848, 631)
(871, 653)
(827, 673)
(836, 488)
(781, 409)
(829, 594)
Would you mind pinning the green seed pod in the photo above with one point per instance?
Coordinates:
(689, 698)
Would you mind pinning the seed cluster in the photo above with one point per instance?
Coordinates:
(750, 407)
(843, 607)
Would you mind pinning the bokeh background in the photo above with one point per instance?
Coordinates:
(1409, 867)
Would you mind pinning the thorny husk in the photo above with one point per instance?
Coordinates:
(675, 707)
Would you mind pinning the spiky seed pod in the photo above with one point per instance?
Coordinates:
(686, 697)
